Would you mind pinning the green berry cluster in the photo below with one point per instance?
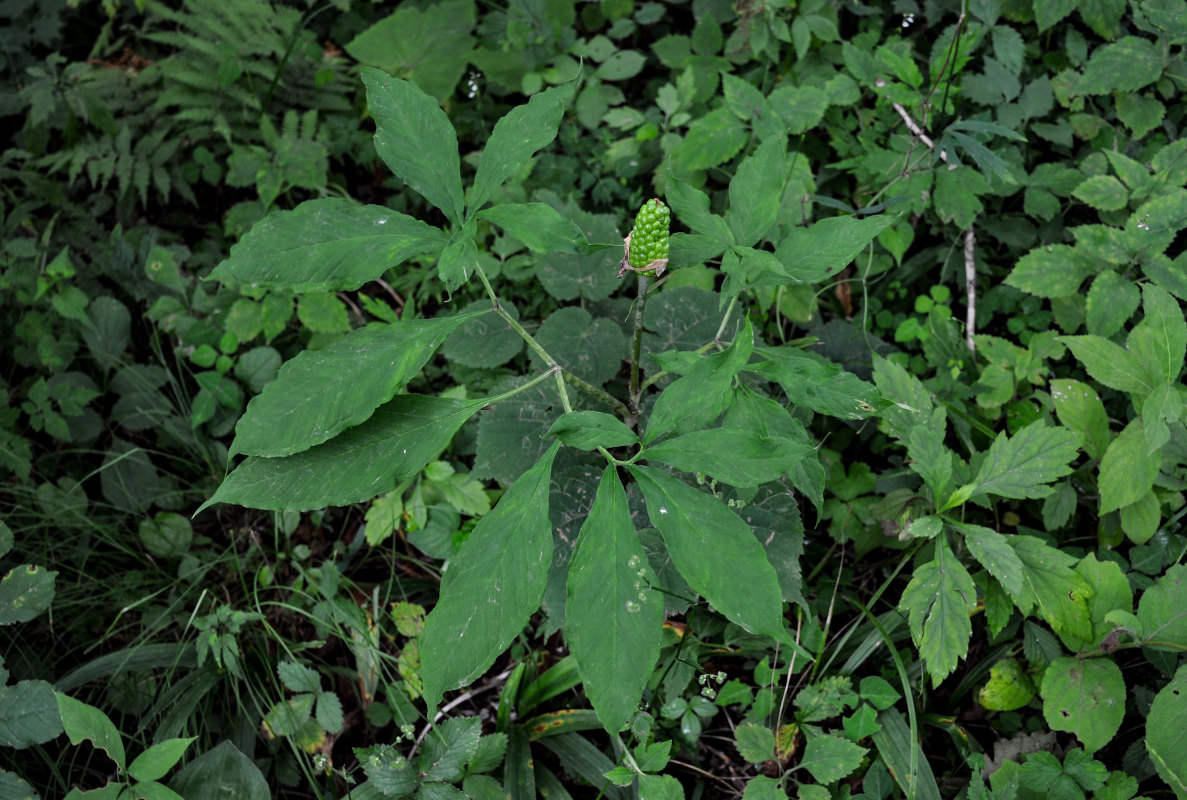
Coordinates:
(649, 239)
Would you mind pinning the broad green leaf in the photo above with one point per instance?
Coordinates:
(157, 760)
(1080, 409)
(1111, 301)
(26, 591)
(395, 444)
(1085, 697)
(484, 340)
(82, 721)
(1162, 611)
(1159, 341)
(515, 139)
(1103, 193)
(540, 227)
(829, 758)
(13, 787)
(800, 107)
(326, 245)
(660, 787)
(1111, 364)
(219, 773)
(492, 587)
(514, 435)
(711, 140)
(737, 457)
(1124, 66)
(993, 550)
(28, 714)
(1008, 687)
(816, 253)
(1052, 270)
(699, 397)
(691, 206)
(1051, 584)
(930, 458)
(1110, 592)
(449, 747)
(297, 677)
(1166, 733)
(613, 617)
(812, 381)
(1021, 466)
(938, 601)
(1140, 518)
(692, 249)
(427, 45)
(592, 349)
(1127, 470)
(755, 192)
(308, 403)
(589, 430)
(416, 140)
(909, 402)
(716, 553)
(458, 259)
(755, 743)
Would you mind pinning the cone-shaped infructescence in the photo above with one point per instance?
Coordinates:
(647, 246)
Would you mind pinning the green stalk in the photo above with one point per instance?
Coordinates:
(637, 346)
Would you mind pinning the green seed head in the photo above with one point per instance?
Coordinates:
(649, 239)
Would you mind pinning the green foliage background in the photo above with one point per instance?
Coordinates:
(909, 396)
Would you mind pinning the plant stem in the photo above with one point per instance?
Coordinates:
(637, 346)
(597, 393)
(543, 376)
(702, 349)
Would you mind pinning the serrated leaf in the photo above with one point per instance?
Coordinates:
(993, 550)
(691, 206)
(1050, 583)
(755, 743)
(298, 677)
(1159, 341)
(492, 587)
(1166, 733)
(711, 140)
(716, 553)
(449, 747)
(1162, 611)
(818, 384)
(1111, 364)
(1102, 192)
(613, 616)
(1054, 270)
(830, 758)
(1126, 65)
(938, 601)
(1021, 466)
(28, 714)
(416, 140)
(484, 341)
(221, 772)
(755, 192)
(816, 253)
(1085, 697)
(1126, 470)
(591, 349)
(308, 403)
(326, 245)
(515, 139)
(429, 45)
(364, 461)
(329, 712)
